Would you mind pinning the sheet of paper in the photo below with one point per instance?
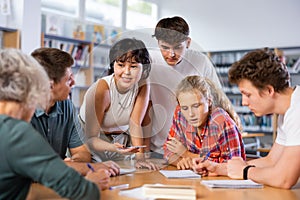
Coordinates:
(231, 184)
(179, 174)
(127, 170)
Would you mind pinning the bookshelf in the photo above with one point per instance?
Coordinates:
(10, 38)
(91, 61)
(86, 61)
(251, 123)
(101, 60)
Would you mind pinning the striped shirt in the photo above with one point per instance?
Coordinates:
(219, 136)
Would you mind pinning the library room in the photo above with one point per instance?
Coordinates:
(149, 99)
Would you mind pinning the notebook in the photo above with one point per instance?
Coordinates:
(179, 174)
(231, 184)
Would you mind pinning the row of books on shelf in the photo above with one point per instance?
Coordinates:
(231, 89)
(241, 109)
(223, 60)
(250, 121)
(80, 52)
(237, 104)
(226, 58)
(257, 128)
(222, 70)
(292, 68)
(101, 57)
(96, 33)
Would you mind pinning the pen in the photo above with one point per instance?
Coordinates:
(206, 157)
(90, 167)
(123, 186)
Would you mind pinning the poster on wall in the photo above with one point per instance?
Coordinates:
(5, 7)
(54, 25)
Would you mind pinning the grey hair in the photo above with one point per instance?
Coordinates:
(23, 79)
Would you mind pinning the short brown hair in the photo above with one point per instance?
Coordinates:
(54, 61)
(261, 67)
(172, 30)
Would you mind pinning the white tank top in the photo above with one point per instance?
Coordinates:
(116, 118)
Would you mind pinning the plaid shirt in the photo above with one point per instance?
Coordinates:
(219, 136)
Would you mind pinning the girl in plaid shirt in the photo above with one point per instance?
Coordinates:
(204, 124)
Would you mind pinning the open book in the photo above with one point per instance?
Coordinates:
(231, 184)
(157, 191)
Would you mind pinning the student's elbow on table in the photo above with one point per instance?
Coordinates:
(288, 183)
(284, 182)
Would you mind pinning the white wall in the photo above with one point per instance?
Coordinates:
(215, 24)
(238, 24)
(31, 26)
(25, 16)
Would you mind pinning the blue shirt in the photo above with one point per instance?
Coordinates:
(60, 127)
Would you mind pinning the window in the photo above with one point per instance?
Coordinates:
(65, 7)
(141, 14)
(106, 12)
(70, 14)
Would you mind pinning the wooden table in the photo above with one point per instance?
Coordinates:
(143, 176)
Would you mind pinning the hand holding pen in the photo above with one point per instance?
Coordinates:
(100, 177)
(206, 157)
(112, 167)
(201, 165)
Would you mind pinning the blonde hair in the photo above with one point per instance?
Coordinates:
(209, 91)
(23, 79)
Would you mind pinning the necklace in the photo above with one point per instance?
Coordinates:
(125, 100)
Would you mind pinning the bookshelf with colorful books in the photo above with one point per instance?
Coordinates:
(9, 38)
(82, 52)
(101, 60)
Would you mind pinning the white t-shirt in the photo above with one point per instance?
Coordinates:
(164, 80)
(288, 130)
(116, 118)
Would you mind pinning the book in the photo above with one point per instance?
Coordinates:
(112, 34)
(95, 33)
(158, 191)
(179, 174)
(236, 184)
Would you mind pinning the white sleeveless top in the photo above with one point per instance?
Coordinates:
(116, 118)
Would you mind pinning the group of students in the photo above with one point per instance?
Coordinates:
(169, 101)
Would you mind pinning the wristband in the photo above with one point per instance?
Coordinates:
(245, 171)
